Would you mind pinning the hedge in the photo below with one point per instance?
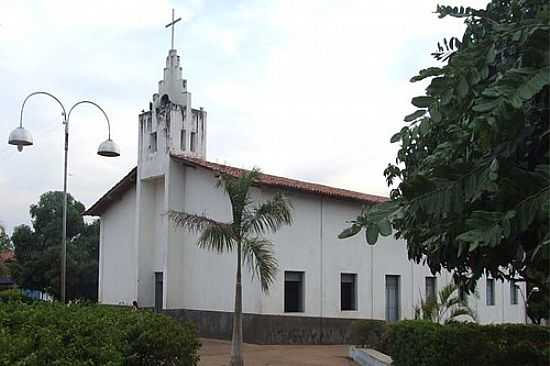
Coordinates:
(422, 343)
(55, 334)
(370, 333)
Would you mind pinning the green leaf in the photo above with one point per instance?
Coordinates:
(349, 232)
(395, 137)
(462, 88)
(384, 227)
(425, 73)
(418, 113)
(422, 101)
(535, 84)
(436, 116)
(372, 234)
(486, 105)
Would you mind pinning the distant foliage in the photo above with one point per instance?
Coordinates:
(56, 334)
(38, 249)
(422, 343)
(472, 170)
(5, 242)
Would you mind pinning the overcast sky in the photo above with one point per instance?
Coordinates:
(308, 89)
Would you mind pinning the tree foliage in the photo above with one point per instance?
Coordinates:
(37, 249)
(473, 164)
(5, 242)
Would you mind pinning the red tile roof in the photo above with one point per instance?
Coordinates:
(285, 183)
(264, 180)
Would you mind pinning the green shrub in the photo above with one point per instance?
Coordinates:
(369, 333)
(52, 333)
(423, 343)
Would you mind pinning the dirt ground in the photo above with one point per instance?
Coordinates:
(216, 353)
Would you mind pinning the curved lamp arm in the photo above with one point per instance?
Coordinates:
(44, 93)
(94, 104)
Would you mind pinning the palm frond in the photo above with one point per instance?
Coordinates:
(270, 215)
(446, 292)
(214, 235)
(460, 311)
(237, 188)
(258, 255)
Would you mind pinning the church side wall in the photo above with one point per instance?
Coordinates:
(197, 278)
(117, 264)
(200, 284)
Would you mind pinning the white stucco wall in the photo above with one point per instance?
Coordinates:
(205, 280)
(117, 256)
(152, 236)
(197, 279)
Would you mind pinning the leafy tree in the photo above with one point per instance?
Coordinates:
(5, 242)
(37, 249)
(245, 235)
(473, 164)
(447, 306)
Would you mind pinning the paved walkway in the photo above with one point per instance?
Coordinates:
(216, 353)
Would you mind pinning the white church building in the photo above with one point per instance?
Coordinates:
(323, 283)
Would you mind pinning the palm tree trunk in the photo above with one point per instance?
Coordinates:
(237, 339)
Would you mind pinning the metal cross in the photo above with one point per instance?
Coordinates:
(171, 24)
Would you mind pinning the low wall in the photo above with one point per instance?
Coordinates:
(269, 329)
(369, 357)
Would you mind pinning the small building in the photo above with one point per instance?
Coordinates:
(6, 280)
(323, 282)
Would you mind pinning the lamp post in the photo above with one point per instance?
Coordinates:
(534, 290)
(22, 137)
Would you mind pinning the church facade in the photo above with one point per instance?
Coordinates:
(323, 283)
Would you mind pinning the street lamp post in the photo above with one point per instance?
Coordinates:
(22, 137)
(534, 290)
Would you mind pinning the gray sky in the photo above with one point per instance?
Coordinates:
(308, 89)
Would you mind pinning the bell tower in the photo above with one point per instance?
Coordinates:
(171, 125)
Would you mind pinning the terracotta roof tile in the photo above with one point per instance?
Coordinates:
(286, 183)
(265, 180)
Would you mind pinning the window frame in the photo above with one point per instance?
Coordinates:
(397, 298)
(490, 292)
(514, 298)
(433, 295)
(354, 300)
(301, 297)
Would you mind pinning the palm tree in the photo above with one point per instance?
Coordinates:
(245, 235)
(448, 307)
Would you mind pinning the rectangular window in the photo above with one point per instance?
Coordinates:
(490, 291)
(294, 292)
(348, 291)
(149, 125)
(183, 136)
(153, 142)
(392, 298)
(513, 292)
(431, 288)
(193, 141)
